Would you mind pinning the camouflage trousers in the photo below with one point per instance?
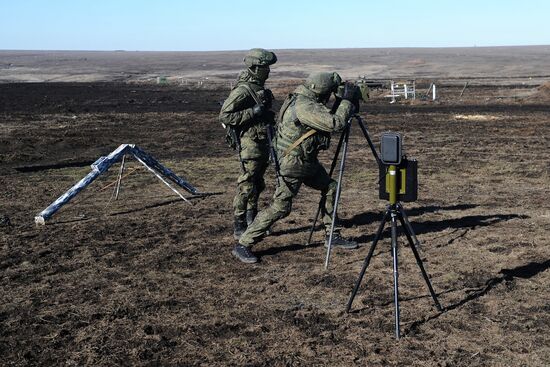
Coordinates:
(281, 204)
(250, 184)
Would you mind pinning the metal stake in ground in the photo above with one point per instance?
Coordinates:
(119, 180)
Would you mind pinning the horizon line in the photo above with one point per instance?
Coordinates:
(279, 49)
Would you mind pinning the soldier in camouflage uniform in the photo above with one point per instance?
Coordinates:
(246, 112)
(304, 128)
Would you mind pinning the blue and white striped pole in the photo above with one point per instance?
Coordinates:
(98, 167)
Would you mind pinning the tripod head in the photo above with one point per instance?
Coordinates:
(354, 92)
(360, 90)
(397, 174)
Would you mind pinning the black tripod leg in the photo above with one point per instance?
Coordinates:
(367, 136)
(338, 148)
(407, 225)
(367, 259)
(395, 273)
(312, 229)
(410, 234)
(322, 201)
(338, 192)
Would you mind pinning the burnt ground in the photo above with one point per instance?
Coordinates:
(149, 280)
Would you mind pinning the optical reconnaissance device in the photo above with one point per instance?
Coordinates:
(361, 90)
(394, 165)
(398, 182)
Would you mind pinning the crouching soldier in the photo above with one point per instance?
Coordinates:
(245, 114)
(304, 127)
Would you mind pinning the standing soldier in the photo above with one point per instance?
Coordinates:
(304, 128)
(245, 114)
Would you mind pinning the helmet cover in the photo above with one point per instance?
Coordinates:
(259, 57)
(323, 83)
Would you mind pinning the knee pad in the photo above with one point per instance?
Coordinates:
(281, 209)
(332, 186)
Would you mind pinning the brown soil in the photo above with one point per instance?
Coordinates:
(149, 280)
(543, 91)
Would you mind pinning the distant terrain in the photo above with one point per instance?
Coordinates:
(529, 63)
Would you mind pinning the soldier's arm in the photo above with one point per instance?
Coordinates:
(318, 116)
(234, 111)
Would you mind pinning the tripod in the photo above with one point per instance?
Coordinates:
(394, 212)
(342, 146)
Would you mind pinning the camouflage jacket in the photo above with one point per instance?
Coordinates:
(303, 114)
(237, 113)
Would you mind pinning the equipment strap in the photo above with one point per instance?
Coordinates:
(286, 104)
(253, 94)
(299, 141)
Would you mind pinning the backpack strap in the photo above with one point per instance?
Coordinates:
(253, 94)
(299, 141)
(289, 101)
(286, 104)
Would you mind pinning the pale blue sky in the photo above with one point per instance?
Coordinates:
(186, 25)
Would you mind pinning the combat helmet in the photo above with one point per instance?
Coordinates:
(323, 84)
(259, 57)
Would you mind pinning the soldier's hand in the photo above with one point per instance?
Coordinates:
(350, 92)
(257, 110)
(269, 117)
(266, 96)
(356, 106)
(339, 91)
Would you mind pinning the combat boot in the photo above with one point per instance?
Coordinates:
(244, 254)
(340, 242)
(250, 215)
(239, 227)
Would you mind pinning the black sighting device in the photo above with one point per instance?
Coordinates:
(360, 90)
(391, 154)
(398, 182)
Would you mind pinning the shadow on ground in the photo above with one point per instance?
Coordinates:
(526, 271)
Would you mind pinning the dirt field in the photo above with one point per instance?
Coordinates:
(509, 63)
(149, 280)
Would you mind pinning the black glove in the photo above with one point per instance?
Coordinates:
(356, 106)
(266, 96)
(257, 110)
(339, 91)
(269, 117)
(350, 92)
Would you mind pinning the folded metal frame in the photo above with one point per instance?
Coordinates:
(104, 163)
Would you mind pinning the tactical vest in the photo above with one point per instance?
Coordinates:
(290, 130)
(252, 134)
(256, 130)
